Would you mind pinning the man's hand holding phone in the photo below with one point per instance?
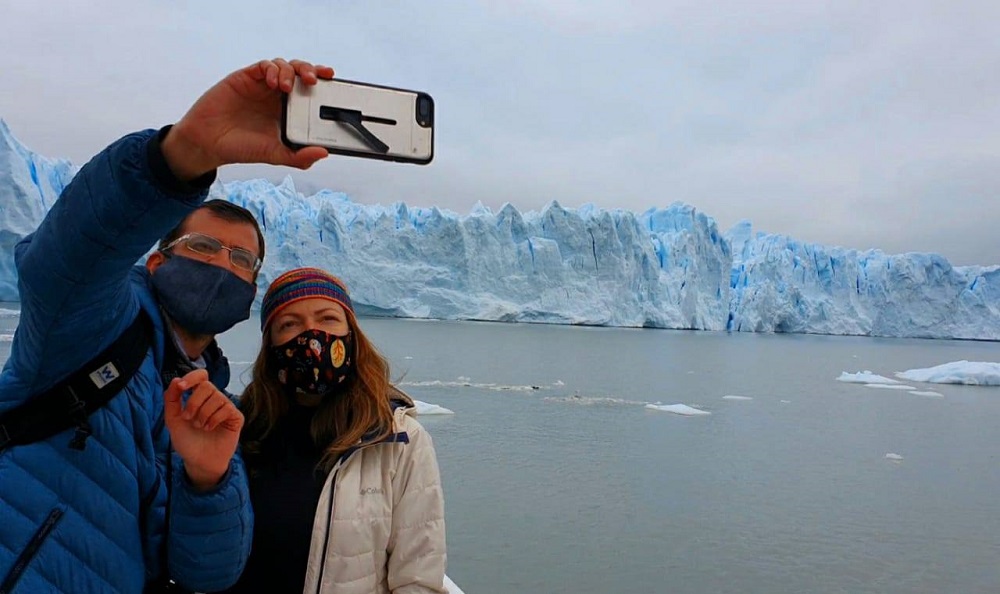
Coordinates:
(239, 121)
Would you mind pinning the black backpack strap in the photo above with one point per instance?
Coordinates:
(72, 401)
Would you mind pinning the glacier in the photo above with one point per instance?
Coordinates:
(663, 268)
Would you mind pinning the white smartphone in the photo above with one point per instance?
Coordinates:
(360, 120)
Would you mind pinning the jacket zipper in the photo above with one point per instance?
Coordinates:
(326, 541)
(392, 438)
(30, 551)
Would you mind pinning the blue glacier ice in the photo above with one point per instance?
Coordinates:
(664, 268)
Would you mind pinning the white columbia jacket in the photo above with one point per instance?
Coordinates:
(379, 525)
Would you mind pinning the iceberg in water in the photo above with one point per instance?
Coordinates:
(678, 409)
(927, 393)
(663, 268)
(971, 373)
(865, 377)
(426, 408)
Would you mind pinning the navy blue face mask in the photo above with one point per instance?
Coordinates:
(201, 298)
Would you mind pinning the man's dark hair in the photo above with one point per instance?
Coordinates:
(225, 210)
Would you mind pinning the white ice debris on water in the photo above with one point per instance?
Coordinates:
(678, 409)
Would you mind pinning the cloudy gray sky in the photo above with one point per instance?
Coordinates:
(866, 124)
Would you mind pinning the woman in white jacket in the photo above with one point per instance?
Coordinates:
(344, 481)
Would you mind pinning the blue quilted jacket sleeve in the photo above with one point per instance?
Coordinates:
(73, 270)
(76, 298)
(210, 532)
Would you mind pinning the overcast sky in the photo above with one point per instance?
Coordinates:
(869, 124)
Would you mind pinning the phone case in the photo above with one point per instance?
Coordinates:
(360, 120)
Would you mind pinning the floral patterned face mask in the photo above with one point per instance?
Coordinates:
(315, 362)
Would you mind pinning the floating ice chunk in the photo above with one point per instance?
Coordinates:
(9, 313)
(6, 337)
(865, 377)
(734, 397)
(786, 401)
(425, 408)
(558, 383)
(890, 386)
(972, 373)
(451, 587)
(467, 384)
(678, 409)
(893, 457)
(592, 400)
(408, 357)
(927, 393)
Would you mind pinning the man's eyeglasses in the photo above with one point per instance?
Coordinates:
(207, 245)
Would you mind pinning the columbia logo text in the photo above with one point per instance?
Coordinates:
(372, 491)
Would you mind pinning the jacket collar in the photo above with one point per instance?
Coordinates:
(401, 405)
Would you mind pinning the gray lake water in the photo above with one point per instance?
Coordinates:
(559, 479)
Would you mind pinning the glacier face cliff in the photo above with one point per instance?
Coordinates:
(664, 268)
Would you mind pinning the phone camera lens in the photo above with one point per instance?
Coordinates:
(425, 109)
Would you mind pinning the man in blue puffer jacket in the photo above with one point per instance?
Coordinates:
(158, 491)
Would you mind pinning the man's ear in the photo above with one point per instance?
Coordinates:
(154, 260)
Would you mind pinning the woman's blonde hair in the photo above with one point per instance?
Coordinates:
(340, 423)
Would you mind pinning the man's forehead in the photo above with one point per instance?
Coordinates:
(232, 233)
